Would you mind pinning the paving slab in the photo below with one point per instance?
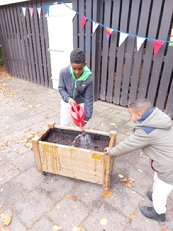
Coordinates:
(38, 202)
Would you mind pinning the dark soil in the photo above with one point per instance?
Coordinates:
(78, 140)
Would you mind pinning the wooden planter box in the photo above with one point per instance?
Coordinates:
(79, 163)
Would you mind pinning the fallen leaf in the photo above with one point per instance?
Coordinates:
(67, 196)
(55, 228)
(103, 221)
(107, 193)
(87, 194)
(75, 206)
(74, 197)
(120, 175)
(6, 217)
(48, 210)
(77, 228)
(163, 229)
(127, 181)
(133, 216)
(1, 206)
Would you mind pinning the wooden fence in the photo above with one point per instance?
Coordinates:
(25, 43)
(121, 74)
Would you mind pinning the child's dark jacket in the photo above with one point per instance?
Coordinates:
(154, 134)
(80, 90)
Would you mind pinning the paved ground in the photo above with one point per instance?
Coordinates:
(52, 202)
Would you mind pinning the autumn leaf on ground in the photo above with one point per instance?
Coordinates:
(127, 181)
(74, 197)
(1, 206)
(107, 193)
(163, 229)
(132, 216)
(103, 221)
(77, 228)
(4, 229)
(56, 228)
(6, 217)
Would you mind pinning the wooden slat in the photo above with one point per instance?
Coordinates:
(9, 40)
(3, 40)
(23, 64)
(144, 15)
(112, 52)
(93, 38)
(88, 40)
(99, 52)
(75, 24)
(107, 18)
(165, 80)
(33, 76)
(121, 50)
(22, 23)
(46, 55)
(169, 105)
(163, 32)
(38, 51)
(154, 22)
(133, 23)
(81, 32)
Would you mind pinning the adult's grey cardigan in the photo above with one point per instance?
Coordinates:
(80, 91)
(155, 136)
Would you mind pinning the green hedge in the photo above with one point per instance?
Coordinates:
(1, 57)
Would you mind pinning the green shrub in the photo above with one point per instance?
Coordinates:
(1, 57)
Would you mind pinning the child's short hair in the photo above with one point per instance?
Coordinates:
(77, 56)
(140, 105)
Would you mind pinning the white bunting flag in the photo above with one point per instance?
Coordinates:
(72, 14)
(95, 25)
(123, 36)
(139, 42)
(24, 11)
(39, 11)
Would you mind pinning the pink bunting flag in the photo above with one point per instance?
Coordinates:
(83, 21)
(31, 11)
(157, 45)
(108, 33)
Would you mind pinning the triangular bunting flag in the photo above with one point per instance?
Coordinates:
(139, 42)
(157, 45)
(47, 10)
(95, 25)
(39, 11)
(31, 11)
(83, 21)
(108, 32)
(123, 36)
(73, 13)
(24, 11)
(171, 38)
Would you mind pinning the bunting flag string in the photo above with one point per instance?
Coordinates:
(157, 44)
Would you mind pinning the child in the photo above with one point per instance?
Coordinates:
(76, 87)
(154, 134)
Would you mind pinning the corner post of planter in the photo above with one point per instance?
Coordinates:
(37, 157)
(113, 136)
(107, 170)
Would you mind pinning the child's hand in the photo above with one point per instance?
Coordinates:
(108, 151)
(72, 102)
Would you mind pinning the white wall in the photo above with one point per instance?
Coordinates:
(60, 31)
